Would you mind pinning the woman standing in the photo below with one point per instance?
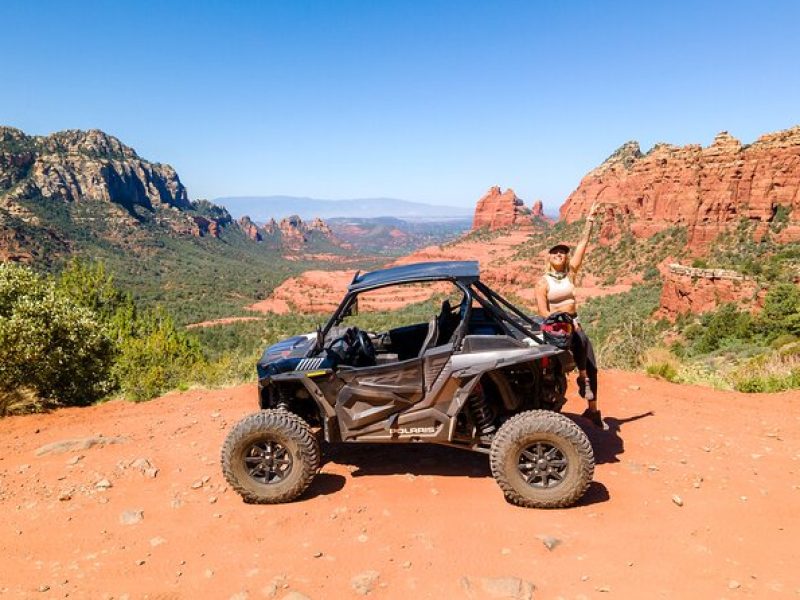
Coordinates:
(555, 292)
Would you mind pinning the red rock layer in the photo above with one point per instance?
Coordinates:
(688, 292)
(706, 189)
(497, 209)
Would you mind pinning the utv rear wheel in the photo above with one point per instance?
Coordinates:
(541, 459)
(270, 457)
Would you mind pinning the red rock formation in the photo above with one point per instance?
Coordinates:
(688, 290)
(250, 229)
(292, 230)
(497, 209)
(204, 227)
(271, 227)
(706, 189)
(319, 225)
(537, 210)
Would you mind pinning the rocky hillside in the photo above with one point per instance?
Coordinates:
(87, 183)
(707, 190)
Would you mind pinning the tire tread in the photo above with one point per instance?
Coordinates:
(544, 421)
(288, 424)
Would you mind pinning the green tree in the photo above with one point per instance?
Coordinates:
(781, 312)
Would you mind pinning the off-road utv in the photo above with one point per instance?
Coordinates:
(479, 375)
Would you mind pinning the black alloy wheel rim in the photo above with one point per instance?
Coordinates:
(542, 465)
(268, 462)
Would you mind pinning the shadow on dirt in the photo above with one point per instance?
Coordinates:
(423, 459)
(607, 444)
(596, 494)
(324, 484)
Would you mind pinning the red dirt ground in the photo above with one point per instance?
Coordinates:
(422, 518)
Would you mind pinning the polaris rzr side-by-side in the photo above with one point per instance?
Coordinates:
(478, 374)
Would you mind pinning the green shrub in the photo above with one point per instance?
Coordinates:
(783, 340)
(718, 328)
(48, 343)
(154, 356)
(771, 372)
(781, 312)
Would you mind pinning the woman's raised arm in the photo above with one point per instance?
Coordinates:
(580, 250)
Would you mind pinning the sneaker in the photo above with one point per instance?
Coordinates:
(584, 390)
(595, 417)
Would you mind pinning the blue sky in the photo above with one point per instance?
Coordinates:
(429, 101)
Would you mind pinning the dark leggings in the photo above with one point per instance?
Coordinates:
(583, 352)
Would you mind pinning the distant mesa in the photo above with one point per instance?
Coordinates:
(708, 190)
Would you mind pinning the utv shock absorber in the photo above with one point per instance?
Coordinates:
(481, 412)
(283, 398)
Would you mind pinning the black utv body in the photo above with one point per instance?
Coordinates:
(479, 375)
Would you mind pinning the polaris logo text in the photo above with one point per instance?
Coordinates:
(412, 430)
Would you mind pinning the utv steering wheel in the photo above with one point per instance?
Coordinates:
(365, 350)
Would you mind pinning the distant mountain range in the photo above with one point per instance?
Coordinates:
(264, 208)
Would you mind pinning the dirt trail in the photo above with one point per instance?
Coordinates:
(403, 522)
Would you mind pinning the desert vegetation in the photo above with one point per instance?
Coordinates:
(728, 348)
(75, 338)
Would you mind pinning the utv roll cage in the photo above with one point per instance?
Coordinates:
(463, 274)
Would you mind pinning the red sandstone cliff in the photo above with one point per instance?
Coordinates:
(706, 189)
(497, 209)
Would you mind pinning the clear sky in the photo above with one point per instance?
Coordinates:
(432, 101)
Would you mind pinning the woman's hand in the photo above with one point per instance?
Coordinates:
(593, 211)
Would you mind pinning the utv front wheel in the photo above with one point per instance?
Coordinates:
(270, 457)
(541, 459)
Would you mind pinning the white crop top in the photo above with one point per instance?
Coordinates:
(560, 292)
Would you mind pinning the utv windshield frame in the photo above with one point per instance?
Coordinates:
(463, 274)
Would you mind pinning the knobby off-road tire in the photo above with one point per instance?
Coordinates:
(270, 457)
(541, 459)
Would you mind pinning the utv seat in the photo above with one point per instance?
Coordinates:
(447, 323)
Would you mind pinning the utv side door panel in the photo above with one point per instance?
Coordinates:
(434, 361)
(372, 394)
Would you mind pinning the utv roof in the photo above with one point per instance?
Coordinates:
(465, 271)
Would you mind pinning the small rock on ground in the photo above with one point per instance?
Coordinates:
(512, 588)
(131, 517)
(295, 596)
(364, 583)
(78, 444)
(549, 541)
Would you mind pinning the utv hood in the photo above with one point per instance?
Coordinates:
(294, 347)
